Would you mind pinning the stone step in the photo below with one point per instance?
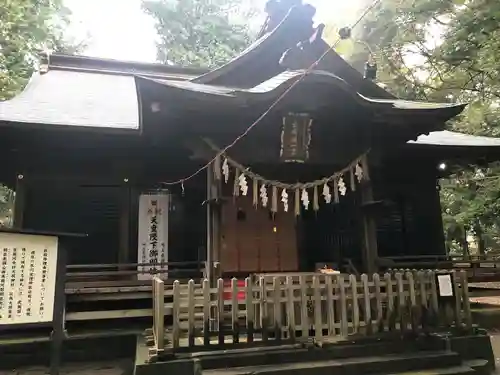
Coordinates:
(481, 366)
(282, 355)
(476, 367)
(460, 370)
(396, 363)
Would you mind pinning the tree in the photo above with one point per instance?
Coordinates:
(446, 50)
(26, 27)
(200, 33)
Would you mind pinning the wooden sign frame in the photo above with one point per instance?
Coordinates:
(56, 324)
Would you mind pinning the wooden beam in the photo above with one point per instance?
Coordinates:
(19, 202)
(209, 255)
(216, 223)
(213, 224)
(370, 247)
(124, 255)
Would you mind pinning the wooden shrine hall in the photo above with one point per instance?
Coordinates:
(338, 171)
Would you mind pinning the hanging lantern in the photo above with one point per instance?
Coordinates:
(295, 138)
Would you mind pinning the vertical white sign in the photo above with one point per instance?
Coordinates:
(153, 235)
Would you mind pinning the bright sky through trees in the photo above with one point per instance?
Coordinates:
(119, 29)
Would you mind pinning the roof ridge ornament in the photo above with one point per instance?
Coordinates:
(297, 58)
(277, 10)
(44, 61)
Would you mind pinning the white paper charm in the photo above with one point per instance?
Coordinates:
(242, 182)
(359, 172)
(305, 199)
(326, 193)
(284, 199)
(225, 170)
(342, 186)
(263, 195)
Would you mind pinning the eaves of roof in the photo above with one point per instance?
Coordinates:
(447, 138)
(88, 64)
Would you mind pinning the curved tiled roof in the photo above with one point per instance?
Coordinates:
(101, 93)
(274, 87)
(80, 99)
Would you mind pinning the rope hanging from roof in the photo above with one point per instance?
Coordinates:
(332, 186)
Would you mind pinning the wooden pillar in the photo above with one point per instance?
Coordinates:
(124, 255)
(19, 202)
(438, 227)
(213, 224)
(370, 247)
(209, 255)
(216, 222)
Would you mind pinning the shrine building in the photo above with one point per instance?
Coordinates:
(338, 172)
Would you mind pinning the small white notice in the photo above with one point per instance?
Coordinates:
(445, 285)
(28, 266)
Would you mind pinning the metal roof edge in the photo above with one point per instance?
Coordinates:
(26, 126)
(446, 138)
(102, 65)
(173, 77)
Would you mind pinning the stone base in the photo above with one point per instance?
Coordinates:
(474, 347)
(388, 354)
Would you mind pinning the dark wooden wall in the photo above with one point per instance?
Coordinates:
(408, 219)
(409, 222)
(90, 183)
(82, 190)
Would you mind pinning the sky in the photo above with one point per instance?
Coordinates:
(118, 29)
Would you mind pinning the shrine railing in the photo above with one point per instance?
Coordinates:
(124, 271)
(284, 309)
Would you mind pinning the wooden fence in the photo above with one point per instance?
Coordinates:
(289, 308)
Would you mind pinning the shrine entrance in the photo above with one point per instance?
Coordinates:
(256, 240)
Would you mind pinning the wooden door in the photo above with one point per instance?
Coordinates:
(253, 240)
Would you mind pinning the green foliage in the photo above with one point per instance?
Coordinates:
(6, 206)
(200, 33)
(26, 27)
(446, 50)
